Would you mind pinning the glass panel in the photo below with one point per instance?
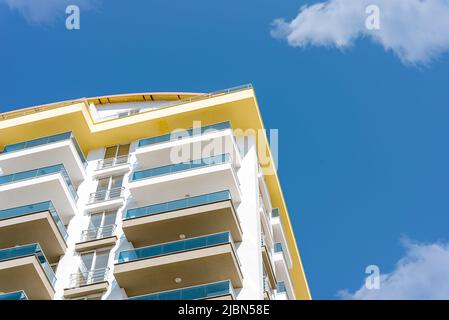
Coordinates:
(86, 261)
(186, 134)
(123, 150)
(95, 220)
(191, 293)
(103, 184)
(109, 218)
(101, 260)
(116, 182)
(110, 152)
(222, 158)
(173, 247)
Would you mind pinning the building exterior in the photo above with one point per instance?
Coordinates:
(106, 198)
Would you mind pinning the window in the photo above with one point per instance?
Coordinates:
(281, 287)
(116, 151)
(278, 247)
(93, 267)
(101, 225)
(108, 188)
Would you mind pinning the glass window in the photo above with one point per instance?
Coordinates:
(116, 151)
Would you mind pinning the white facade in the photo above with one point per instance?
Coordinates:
(241, 176)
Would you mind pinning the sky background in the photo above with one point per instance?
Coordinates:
(363, 154)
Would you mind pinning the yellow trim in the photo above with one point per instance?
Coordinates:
(240, 107)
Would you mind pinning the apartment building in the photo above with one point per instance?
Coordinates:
(144, 196)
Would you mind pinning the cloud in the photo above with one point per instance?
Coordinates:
(417, 31)
(422, 273)
(46, 11)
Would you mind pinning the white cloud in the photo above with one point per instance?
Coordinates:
(46, 11)
(417, 31)
(423, 273)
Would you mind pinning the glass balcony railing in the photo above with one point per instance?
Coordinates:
(36, 173)
(47, 140)
(281, 287)
(28, 250)
(205, 291)
(183, 166)
(35, 208)
(175, 247)
(278, 247)
(184, 134)
(18, 295)
(178, 204)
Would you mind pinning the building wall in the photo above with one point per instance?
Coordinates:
(248, 250)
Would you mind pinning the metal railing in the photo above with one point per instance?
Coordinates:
(175, 247)
(36, 208)
(178, 204)
(98, 233)
(29, 250)
(183, 166)
(47, 140)
(104, 195)
(36, 173)
(268, 291)
(205, 291)
(18, 295)
(185, 134)
(32, 110)
(84, 278)
(112, 162)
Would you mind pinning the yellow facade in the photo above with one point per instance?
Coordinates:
(239, 106)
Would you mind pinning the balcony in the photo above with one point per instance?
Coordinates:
(285, 284)
(279, 236)
(218, 138)
(191, 217)
(191, 178)
(38, 223)
(267, 258)
(26, 268)
(40, 185)
(222, 290)
(184, 263)
(44, 152)
(112, 166)
(18, 295)
(89, 282)
(96, 238)
(106, 199)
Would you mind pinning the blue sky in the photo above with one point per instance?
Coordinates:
(363, 156)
